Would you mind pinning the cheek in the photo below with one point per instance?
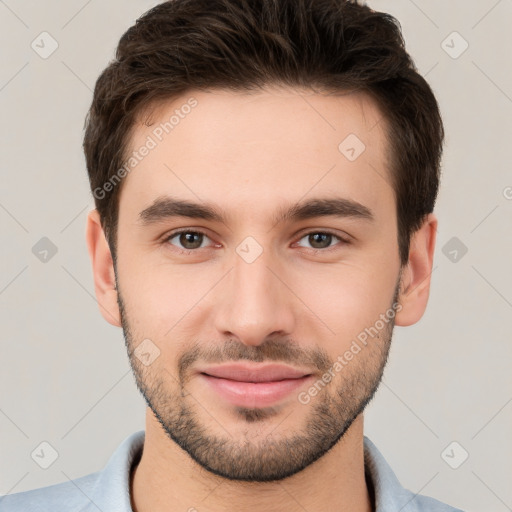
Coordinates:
(347, 300)
(153, 297)
(165, 302)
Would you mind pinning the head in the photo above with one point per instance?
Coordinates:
(270, 117)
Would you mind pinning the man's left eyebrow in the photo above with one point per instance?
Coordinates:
(167, 207)
(325, 207)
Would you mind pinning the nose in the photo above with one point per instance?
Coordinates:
(253, 302)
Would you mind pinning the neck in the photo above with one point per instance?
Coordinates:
(168, 479)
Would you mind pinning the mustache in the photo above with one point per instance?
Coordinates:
(271, 350)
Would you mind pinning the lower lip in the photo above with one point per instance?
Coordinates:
(254, 394)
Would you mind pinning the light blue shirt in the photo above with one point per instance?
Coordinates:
(108, 490)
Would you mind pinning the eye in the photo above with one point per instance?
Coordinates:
(189, 240)
(321, 240)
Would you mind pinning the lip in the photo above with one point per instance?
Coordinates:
(254, 373)
(246, 385)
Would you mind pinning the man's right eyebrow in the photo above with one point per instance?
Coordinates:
(167, 207)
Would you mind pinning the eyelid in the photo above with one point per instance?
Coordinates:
(308, 231)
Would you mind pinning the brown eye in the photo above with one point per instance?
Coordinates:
(188, 240)
(321, 240)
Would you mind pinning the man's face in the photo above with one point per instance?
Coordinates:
(252, 289)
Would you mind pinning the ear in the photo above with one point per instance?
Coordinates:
(103, 269)
(415, 282)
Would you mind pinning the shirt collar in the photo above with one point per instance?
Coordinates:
(388, 492)
(111, 492)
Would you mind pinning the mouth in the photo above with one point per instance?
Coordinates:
(254, 385)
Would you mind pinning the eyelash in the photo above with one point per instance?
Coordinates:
(173, 234)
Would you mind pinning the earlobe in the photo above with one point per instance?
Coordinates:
(103, 269)
(415, 282)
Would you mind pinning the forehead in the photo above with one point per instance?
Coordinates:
(258, 148)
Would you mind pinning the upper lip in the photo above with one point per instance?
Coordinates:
(254, 373)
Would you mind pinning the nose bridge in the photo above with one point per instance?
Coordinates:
(255, 303)
(253, 281)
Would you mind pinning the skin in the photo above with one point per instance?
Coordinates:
(298, 303)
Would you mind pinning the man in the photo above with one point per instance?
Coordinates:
(265, 175)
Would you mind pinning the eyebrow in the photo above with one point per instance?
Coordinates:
(166, 207)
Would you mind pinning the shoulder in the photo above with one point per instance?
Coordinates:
(69, 496)
(107, 490)
(420, 503)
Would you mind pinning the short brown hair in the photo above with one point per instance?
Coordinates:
(327, 45)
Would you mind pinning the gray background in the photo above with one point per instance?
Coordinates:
(65, 375)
